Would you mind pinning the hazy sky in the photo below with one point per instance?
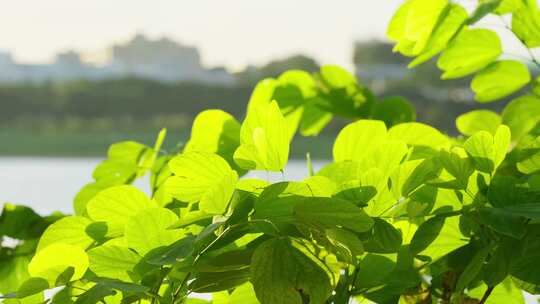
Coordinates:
(227, 32)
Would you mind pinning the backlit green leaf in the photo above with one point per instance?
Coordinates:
(264, 141)
(526, 23)
(470, 51)
(478, 120)
(356, 139)
(115, 205)
(69, 230)
(488, 151)
(215, 131)
(54, 259)
(394, 110)
(149, 229)
(504, 293)
(113, 261)
(329, 213)
(281, 273)
(202, 177)
(499, 80)
(521, 115)
(452, 21)
(437, 237)
(418, 134)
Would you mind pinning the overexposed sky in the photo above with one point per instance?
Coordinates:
(233, 33)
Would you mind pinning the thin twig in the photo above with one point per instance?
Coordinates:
(486, 295)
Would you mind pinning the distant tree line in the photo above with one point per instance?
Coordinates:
(133, 103)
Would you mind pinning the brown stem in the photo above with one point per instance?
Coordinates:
(486, 295)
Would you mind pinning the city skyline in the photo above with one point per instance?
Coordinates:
(233, 34)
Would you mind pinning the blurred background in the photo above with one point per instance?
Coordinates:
(77, 76)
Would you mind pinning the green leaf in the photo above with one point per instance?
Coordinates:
(175, 252)
(115, 171)
(121, 286)
(480, 148)
(70, 230)
(421, 20)
(526, 23)
(393, 111)
(452, 20)
(530, 211)
(227, 261)
(530, 157)
(32, 286)
(242, 294)
(129, 151)
(458, 164)
(355, 140)
(478, 120)
(355, 193)
(375, 269)
(506, 6)
(336, 77)
(113, 261)
(473, 268)
(526, 269)
(418, 134)
(498, 266)
(503, 222)
(218, 281)
(283, 272)
(385, 158)
(383, 238)
(202, 177)
(488, 151)
(340, 172)
(521, 115)
(330, 212)
(115, 205)
(314, 118)
(53, 260)
(215, 131)
(13, 271)
(87, 192)
(504, 293)
(437, 237)
(149, 229)
(525, 263)
(341, 94)
(484, 8)
(346, 244)
(19, 222)
(470, 51)
(264, 141)
(507, 191)
(500, 79)
(95, 294)
(410, 175)
(418, 19)
(396, 26)
(295, 92)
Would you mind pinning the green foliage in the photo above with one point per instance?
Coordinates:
(403, 214)
(466, 50)
(499, 80)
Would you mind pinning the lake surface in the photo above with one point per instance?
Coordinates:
(48, 184)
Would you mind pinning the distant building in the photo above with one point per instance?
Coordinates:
(374, 60)
(160, 60)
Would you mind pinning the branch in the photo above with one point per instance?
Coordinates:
(486, 295)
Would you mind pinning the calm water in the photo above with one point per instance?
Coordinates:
(48, 184)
